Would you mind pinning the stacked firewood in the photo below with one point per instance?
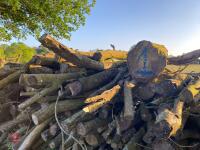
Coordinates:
(101, 100)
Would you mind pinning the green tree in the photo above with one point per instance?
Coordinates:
(19, 18)
(20, 51)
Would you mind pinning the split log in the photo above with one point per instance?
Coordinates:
(69, 54)
(146, 60)
(98, 102)
(105, 96)
(46, 91)
(30, 139)
(10, 78)
(185, 58)
(66, 105)
(167, 123)
(92, 81)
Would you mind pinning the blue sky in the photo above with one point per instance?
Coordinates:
(174, 23)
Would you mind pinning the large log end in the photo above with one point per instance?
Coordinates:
(146, 60)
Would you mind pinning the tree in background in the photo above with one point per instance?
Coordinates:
(18, 51)
(18, 18)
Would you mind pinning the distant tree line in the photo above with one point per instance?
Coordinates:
(19, 52)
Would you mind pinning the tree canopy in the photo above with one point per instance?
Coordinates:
(18, 18)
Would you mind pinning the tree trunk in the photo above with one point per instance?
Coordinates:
(62, 106)
(32, 137)
(92, 81)
(10, 78)
(69, 54)
(185, 58)
(39, 80)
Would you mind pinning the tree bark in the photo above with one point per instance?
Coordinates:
(46, 91)
(40, 80)
(92, 81)
(132, 144)
(46, 61)
(62, 106)
(32, 137)
(69, 54)
(83, 128)
(185, 58)
(10, 78)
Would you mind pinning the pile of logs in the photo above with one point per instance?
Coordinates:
(106, 100)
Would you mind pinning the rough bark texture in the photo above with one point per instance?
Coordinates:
(66, 105)
(185, 58)
(69, 54)
(93, 82)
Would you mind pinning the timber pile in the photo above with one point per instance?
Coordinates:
(100, 101)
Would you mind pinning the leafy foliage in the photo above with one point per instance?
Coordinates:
(19, 51)
(18, 18)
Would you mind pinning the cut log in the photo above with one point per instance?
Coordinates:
(146, 60)
(185, 58)
(94, 139)
(84, 128)
(168, 123)
(69, 54)
(55, 143)
(105, 98)
(32, 137)
(109, 54)
(7, 126)
(38, 80)
(129, 110)
(62, 106)
(92, 81)
(47, 62)
(10, 78)
(4, 73)
(132, 144)
(46, 91)
(111, 84)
